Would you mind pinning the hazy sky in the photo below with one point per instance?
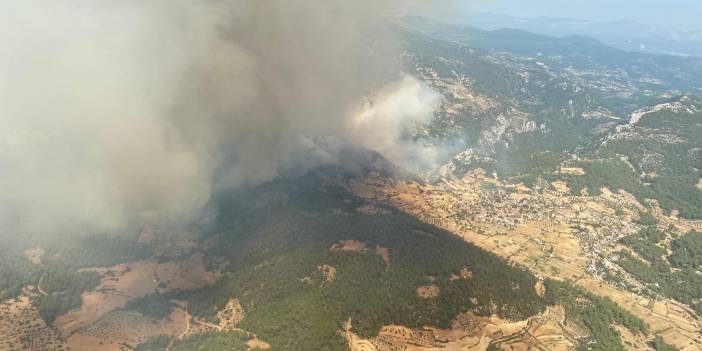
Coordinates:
(683, 14)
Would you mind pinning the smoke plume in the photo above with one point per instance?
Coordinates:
(110, 110)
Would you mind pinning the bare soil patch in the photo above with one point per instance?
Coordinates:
(349, 246)
(231, 315)
(357, 246)
(540, 288)
(384, 253)
(255, 344)
(34, 255)
(572, 170)
(22, 328)
(370, 210)
(428, 291)
(470, 332)
(125, 281)
(328, 272)
(118, 328)
(464, 274)
(560, 186)
(147, 235)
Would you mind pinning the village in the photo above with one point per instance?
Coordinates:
(548, 230)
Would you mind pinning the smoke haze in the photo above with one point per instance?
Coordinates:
(113, 110)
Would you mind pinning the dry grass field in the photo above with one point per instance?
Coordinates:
(119, 329)
(100, 324)
(547, 331)
(125, 281)
(23, 329)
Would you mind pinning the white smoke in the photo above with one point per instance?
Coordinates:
(386, 121)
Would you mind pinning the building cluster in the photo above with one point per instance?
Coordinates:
(486, 206)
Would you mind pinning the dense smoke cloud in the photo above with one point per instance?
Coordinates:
(385, 123)
(113, 109)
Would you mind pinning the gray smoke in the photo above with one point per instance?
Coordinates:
(111, 110)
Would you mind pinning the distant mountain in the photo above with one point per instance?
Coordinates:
(572, 51)
(526, 104)
(625, 35)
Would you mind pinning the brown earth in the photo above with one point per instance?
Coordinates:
(349, 246)
(357, 246)
(118, 328)
(540, 288)
(428, 291)
(328, 272)
(464, 274)
(255, 344)
(34, 255)
(369, 209)
(231, 315)
(384, 253)
(572, 170)
(561, 187)
(22, 328)
(547, 331)
(125, 281)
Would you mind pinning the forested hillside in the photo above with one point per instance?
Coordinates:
(274, 250)
(282, 240)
